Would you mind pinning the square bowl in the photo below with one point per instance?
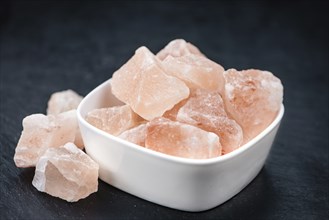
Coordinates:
(179, 183)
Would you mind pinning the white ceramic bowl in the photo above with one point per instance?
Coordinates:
(179, 183)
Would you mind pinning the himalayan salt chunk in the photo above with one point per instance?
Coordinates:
(41, 132)
(253, 98)
(142, 84)
(205, 110)
(114, 120)
(78, 141)
(63, 101)
(172, 113)
(181, 140)
(177, 48)
(66, 172)
(135, 135)
(196, 71)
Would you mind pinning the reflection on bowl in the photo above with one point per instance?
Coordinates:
(179, 183)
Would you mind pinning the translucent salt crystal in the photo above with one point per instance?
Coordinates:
(196, 71)
(253, 98)
(177, 48)
(114, 120)
(66, 172)
(172, 113)
(142, 84)
(135, 135)
(41, 132)
(63, 101)
(78, 141)
(181, 140)
(205, 110)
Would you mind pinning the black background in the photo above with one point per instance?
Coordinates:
(49, 46)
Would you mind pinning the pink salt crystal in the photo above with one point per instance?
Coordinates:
(63, 101)
(182, 140)
(142, 84)
(78, 141)
(205, 110)
(41, 132)
(196, 71)
(253, 98)
(135, 135)
(172, 113)
(114, 120)
(66, 172)
(177, 48)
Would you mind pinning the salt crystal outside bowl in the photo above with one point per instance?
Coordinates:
(179, 183)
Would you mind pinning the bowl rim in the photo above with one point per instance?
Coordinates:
(172, 158)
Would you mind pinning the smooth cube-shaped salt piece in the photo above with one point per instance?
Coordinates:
(206, 110)
(177, 48)
(181, 140)
(63, 101)
(135, 135)
(196, 71)
(142, 84)
(41, 132)
(253, 98)
(66, 172)
(114, 120)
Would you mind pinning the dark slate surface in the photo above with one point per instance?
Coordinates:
(52, 46)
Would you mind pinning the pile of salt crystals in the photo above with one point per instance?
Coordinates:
(53, 144)
(181, 103)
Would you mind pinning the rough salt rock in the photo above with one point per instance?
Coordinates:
(253, 98)
(172, 113)
(78, 141)
(114, 120)
(177, 48)
(205, 110)
(63, 101)
(135, 135)
(66, 172)
(41, 132)
(181, 140)
(196, 71)
(142, 84)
